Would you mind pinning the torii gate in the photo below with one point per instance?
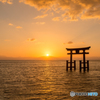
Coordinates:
(77, 52)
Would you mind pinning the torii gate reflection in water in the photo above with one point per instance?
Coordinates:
(77, 52)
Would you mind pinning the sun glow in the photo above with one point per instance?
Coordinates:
(47, 54)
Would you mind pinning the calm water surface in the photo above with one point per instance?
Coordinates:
(46, 80)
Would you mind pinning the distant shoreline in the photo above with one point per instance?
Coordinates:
(43, 60)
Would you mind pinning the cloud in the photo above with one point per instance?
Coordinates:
(39, 4)
(39, 23)
(56, 18)
(73, 19)
(18, 27)
(70, 42)
(42, 16)
(92, 13)
(9, 2)
(65, 19)
(6, 1)
(74, 9)
(31, 39)
(10, 24)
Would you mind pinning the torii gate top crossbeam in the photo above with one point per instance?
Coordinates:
(77, 50)
(84, 48)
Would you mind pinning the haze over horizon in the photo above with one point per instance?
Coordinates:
(48, 58)
(35, 28)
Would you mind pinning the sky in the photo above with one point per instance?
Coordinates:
(35, 28)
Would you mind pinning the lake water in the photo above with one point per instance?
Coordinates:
(47, 80)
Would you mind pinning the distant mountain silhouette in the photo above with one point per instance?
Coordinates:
(45, 58)
(32, 58)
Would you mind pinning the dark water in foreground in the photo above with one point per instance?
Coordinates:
(46, 80)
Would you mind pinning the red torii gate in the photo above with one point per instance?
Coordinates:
(77, 52)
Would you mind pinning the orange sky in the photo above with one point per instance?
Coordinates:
(34, 28)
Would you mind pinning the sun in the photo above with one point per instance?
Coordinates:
(47, 54)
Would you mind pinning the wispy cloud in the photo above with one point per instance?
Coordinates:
(70, 42)
(41, 16)
(39, 23)
(18, 27)
(6, 1)
(9, 1)
(31, 39)
(65, 19)
(74, 9)
(56, 19)
(73, 19)
(39, 4)
(10, 24)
